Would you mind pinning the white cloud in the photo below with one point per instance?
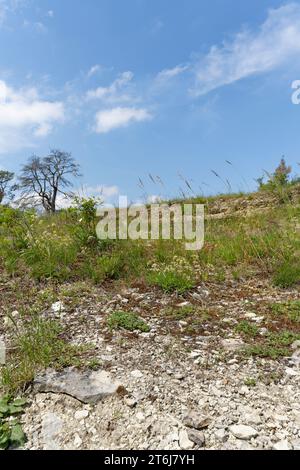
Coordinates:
(250, 53)
(103, 192)
(168, 74)
(110, 119)
(24, 115)
(50, 13)
(7, 7)
(36, 26)
(94, 70)
(113, 92)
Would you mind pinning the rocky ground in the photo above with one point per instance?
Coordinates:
(183, 385)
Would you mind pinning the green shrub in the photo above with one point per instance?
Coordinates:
(290, 310)
(127, 321)
(171, 281)
(246, 328)
(287, 274)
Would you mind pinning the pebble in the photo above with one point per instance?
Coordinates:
(241, 431)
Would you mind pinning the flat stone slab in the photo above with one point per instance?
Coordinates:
(87, 387)
(240, 431)
(232, 344)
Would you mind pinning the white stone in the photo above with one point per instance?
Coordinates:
(220, 435)
(195, 354)
(232, 344)
(252, 418)
(52, 427)
(241, 431)
(140, 416)
(184, 441)
(77, 441)
(291, 372)
(137, 374)
(282, 445)
(57, 307)
(296, 345)
(81, 414)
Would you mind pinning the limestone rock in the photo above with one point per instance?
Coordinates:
(232, 344)
(282, 445)
(87, 387)
(184, 441)
(241, 431)
(52, 426)
(196, 420)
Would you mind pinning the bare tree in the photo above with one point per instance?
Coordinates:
(43, 179)
(6, 188)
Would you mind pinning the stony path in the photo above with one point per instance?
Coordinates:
(182, 390)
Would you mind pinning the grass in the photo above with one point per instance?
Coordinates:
(48, 258)
(127, 321)
(290, 310)
(287, 274)
(39, 344)
(171, 281)
(247, 328)
(179, 313)
(63, 247)
(275, 345)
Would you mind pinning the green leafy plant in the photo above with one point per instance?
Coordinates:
(171, 281)
(246, 328)
(250, 382)
(11, 433)
(276, 344)
(127, 321)
(290, 310)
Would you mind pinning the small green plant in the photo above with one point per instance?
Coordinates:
(246, 328)
(38, 345)
(287, 274)
(11, 433)
(179, 313)
(275, 345)
(171, 281)
(250, 382)
(128, 321)
(290, 310)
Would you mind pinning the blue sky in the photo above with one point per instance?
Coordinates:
(171, 88)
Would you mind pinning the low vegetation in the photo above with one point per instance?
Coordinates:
(11, 433)
(128, 321)
(57, 256)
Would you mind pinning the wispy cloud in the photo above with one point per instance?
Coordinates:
(25, 116)
(8, 7)
(115, 92)
(36, 26)
(110, 119)
(94, 70)
(166, 75)
(156, 25)
(250, 53)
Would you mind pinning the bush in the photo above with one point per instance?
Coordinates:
(171, 281)
(127, 321)
(287, 274)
